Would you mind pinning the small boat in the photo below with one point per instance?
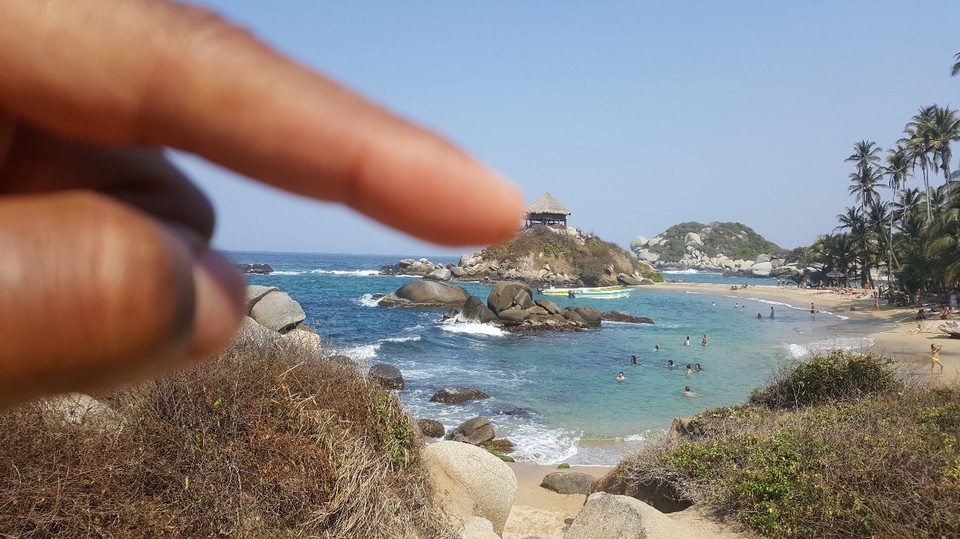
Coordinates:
(603, 292)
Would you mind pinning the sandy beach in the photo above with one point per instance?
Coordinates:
(543, 513)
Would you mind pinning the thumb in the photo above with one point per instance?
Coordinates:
(97, 293)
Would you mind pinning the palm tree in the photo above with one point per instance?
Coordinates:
(918, 143)
(865, 154)
(897, 170)
(854, 221)
(864, 186)
(943, 127)
(956, 65)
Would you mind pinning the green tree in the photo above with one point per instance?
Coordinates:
(919, 144)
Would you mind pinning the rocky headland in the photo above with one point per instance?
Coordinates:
(540, 256)
(732, 248)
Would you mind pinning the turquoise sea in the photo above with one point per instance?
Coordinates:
(555, 395)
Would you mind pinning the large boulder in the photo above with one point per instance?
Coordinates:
(761, 269)
(471, 482)
(441, 274)
(255, 293)
(426, 294)
(458, 395)
(607, 516)
(276, 310)
(638, 242)
(473, 431)
(506, 295)
(629, 280)
(514, 316)
(475, 310)
(588, 315)
(478, 528)
(388, 376)
(568, 482)
(617, 316)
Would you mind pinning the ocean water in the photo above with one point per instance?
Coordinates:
(555, 395)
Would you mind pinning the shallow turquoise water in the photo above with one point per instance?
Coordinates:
(574, 409)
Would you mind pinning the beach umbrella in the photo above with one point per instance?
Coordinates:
(835, 275)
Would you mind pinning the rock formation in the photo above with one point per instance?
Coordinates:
(425, 293)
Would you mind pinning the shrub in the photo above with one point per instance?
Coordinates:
(837, 376)
(876, 463)
(267, 440)
(653, 275)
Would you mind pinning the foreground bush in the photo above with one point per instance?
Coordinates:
(835, 377)
(883, 465)
(268, 440)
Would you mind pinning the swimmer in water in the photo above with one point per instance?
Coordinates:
(656, 348)
(689, 394)
(736, 305)
(697, 367)
(759, 316)
(621, 377)
(633, 360)
(687, 342)
(703, 341)
(689, 370)
(671, 364)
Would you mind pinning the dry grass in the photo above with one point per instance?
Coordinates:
(881, 463)
(268, 440)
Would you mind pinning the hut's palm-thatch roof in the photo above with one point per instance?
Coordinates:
(548, 204)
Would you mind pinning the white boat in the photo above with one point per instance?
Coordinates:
(603, 292)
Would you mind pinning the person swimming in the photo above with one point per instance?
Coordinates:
(671, 364)
(736, 305)
(633, 360)
(688, 393)
(689, 370)
(687, 342)
(697, 367)
(656, 348)
(703, 341)
(771, 312)
(621, 377)
(759, 316)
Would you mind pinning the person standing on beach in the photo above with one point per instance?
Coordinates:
(935, 357)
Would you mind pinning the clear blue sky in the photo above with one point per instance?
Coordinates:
(637, 116)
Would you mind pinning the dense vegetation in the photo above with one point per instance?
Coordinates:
(836, 447)
(914, 235)
(268, 440)
(732, 239)
(594, 261)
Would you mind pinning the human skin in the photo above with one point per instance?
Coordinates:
(106, 274)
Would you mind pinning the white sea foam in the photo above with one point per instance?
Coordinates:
(849, 344)
(412, 338)
(634, 438)
(364, 352)
(367, 300)
(280, 272)
(690, 272)
(352, 273)
(472, 328)
(543, 445)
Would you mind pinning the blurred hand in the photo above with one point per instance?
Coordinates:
(106, 275)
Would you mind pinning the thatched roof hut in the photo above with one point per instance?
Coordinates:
(547, 210)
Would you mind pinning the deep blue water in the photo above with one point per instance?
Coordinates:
(579, 413)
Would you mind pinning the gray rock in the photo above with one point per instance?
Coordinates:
(514, 316)
(505, 295)
(692, 239)
(638, 242)
(628, 280)
(478, 528)
(278, 311)
(607, 516)
(475, 310)
(473, 431)
(470, 481)
(761, 269)
(81, 409)
(568, 482)
(255, 293)
(304, 336)
(616, 316)
(550, 306)
(442, 274)
(589, 315)
(431, 428)
(388, 376)
(426, 293)
(458, 395)
(646, 282)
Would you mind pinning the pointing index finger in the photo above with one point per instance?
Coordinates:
(166, 74)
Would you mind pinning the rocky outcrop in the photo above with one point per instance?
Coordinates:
(475, 310)
(568, 482)
(409, 266)
(509, 295)
(617, 316)
(471, 482)
(458, 395)
(276, 310)
(254, 269)
(425, 293)
(388, 376)
(431, 428)
(473, 431)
